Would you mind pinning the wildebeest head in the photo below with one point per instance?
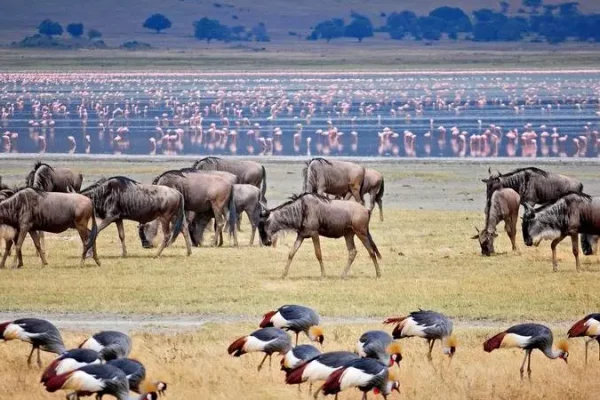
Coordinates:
(493, 182)
(486, 241)
(147, 233)
(264, 228)
(535, 229)
(589, 244)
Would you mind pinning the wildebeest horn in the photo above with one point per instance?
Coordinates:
(490, 170)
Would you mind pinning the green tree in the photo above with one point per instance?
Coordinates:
(532, 4)
(50, 28)
(75, 30)
(209, 29)
(94, 34)
(260, 33)
(504, 6)
(157, 22)
(330, 29)
(360, 27)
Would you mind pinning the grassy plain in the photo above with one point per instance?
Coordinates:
(300, 57)
(196, 366)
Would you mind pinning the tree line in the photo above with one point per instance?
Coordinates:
(535, 22)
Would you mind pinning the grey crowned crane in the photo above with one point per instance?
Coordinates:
(70, 361)
(380, 346)
(136, 375)
(41, 334)
(528, 337)
(265, 340)
(110, 344)
(296, 319)
(426, 324)
(366, 374)
(588, 327)
(319, 368)
(98, 379)
(298, 356)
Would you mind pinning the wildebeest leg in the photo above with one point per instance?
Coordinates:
(121, 231)
(165, 230)
(42, 241)
(356, 194)
(365, 241)
(83, 235)
(351, 253)
(219, 224)
(295, 247)
(187, 238)
(553, 245)
(575, 246)
(106, 222)
(18, 245)
(36, 242)
(317, 245)
(380, 205)
(510, 226)
(7, 247)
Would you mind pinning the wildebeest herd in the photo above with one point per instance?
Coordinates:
(331, 204)
(563, 210)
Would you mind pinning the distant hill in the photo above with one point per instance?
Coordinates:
(287, 20)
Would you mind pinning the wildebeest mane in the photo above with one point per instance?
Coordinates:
(295, 197)
(189, 170)
(208, 160)
(306, 179)
(526, 169)
(583, 196)
(170, 172)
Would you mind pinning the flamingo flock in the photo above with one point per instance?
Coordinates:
(416, 115)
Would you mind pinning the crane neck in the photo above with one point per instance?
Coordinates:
(552, 353)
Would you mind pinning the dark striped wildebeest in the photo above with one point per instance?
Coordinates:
(247, 199)
(333, 177)
(119, 198)
(32, 210)
(311, 216)
(502, 206)
(49, 179)
(204, 194)
(534, 186)
(570, 215)
(248, 172)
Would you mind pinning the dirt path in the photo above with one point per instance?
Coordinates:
(189, 322)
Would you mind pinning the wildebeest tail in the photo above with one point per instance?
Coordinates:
(93, 232)
(372, 242)
(362, 184)
(263, 189)
(178, 227)
(379, 194)
(232, 213)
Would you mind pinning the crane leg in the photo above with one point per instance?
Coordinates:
(262, 362)
(522, 370)
(310, 387)
(39, 359)
(318, 391)
(431, 343)
(364, 396)
(529, 366)
(30, 355)
(270, 359)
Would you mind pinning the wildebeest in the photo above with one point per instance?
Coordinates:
(51, 179)
(248, 172)
(32, 210)
(311, 216)
(333, 177)
(119, 198)
(502, 206)
(589, 244)
(247, 198)
(534, 186)
(204, 195)
(570, 215)
(374, 186)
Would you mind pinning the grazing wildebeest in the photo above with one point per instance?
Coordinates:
(589, 244)
(570, 215)
(534, 186)
(204, 194)
(246, 199)
(50, 179)
(503, 206)
(312, 215)
(32, 210)
(248, 172)
(119, 198)
(7, 232)
(333, 177)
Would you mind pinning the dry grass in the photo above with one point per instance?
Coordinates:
(196, 366)
(428, 261)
